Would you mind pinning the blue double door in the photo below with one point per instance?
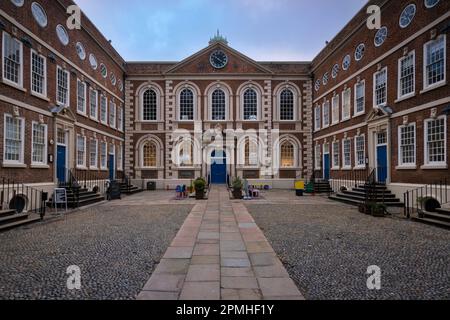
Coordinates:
(61, 163)
(218, 167)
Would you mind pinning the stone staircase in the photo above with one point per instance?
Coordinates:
(440, 218)
(129, 189)
(358, 195)
(319, 186)
(10, 219)
(85, 198)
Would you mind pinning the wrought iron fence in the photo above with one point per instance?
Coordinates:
(426, 198)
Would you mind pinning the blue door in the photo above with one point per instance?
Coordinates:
(326, 166)
(218, 168)
(61, 164)
(111, 168)
(382, 163)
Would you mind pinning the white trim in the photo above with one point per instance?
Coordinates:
(317, 166)
(317, 118)
(61, 56)
(96, 154)
(81, 125)
(103, 167)
(80, 166)
(399, 74)
(360, 166)
(259, 93)
(159, 101)
(343, 105)
(325, 125)
(402, 165)
(67, 104)
(105, 122)
(7, 81)
(333, 164)
(24, 105)
(44, 85)
(96, 104)
(434, 165)
(336, 106)
(356, 112)
(44, 163)
(84, 111)
(422, 107)
(195, 103)
(375, 105)
(427, 86)
(344, 166)
(297, 101)
(382, 57)
(21, 161)
(112, 115)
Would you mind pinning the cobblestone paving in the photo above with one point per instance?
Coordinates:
(327, 248)
(116, 247)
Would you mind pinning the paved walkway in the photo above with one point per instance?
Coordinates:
(220, 253)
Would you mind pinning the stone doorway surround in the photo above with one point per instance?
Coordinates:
(220, 254)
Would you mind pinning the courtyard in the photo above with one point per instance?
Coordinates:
(150, 246)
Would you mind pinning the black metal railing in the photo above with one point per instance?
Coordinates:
(426, 198)
(22, 198)
(348, 180)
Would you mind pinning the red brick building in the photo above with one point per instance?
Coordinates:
(381, 97)
(372, 99)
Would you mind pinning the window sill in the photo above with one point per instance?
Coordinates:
(149, 168)
(14, 165)
(359, 114)
(336, 169)
(334, 124)
(14, 85)
(104, 169)
(290, 168)
(149, 121)
(410, 167)
(94, 119)
(82, 114)
(359, 168)
(346, 168)
(40, 166)
(287, 121)
(345, 120)
(433, 86)
(406, 97)
(81, 168)
(434, 167)
(40, 96)
(93, 168)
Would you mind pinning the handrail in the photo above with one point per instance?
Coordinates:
(415, 199)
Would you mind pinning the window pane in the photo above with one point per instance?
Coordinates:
(218, 105)
(287, 155)
(250, 105)
(186, 105)
(39, 143)
(150, 106)
(287, 105)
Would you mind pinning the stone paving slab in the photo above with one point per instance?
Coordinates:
(220, 253)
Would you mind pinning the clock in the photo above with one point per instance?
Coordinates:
(218, 59)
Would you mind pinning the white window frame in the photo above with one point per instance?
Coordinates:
(295, 103)
(120, 116)
(105, 165)
(119, 157)
(44, 84)
(227, 103)
(93, 117)
(44, 157)
(343, 117)
(96, 153)
(399, 84)
(399, 144)
(356, 112)
(318, 157)
(427, 86)
(334, 165)
(359, 166)
(6, 80)
(428, 164)
(194, 104)
(258, 103)
(317, 117)
(21, 160)
(325, 106)
(158, 104)
(67, 104)
(81, 166)
(335, 109)
(82, 112)
(112, 116)
(344, 165)
(375, 105)
(101, 114)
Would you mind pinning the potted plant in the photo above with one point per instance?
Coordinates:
(377, 210)
(200, 186)
(237, 185)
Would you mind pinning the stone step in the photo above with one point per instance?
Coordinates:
(19, 223)
(13, 218)
(433, 222)
(437, 216)
(7, 213)
(362, 198)
(443, 211)
(358, 202)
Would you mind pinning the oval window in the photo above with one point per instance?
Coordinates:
(335, 71)
(18, 3)
(80, 51)
(380, 36)
(93, 61)
(407, 15)
(103, 70)
(62, 34)
(39, 14)
(346, 62)
(359, 52)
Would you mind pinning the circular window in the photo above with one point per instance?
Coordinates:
(103, 70)
(317, 86)
(63, 36)
(39, 14)
(120, 84)
(18, 3)
(380, 36)
(407, 15)
(80, 51)
(335, 71)
(431, 3)
(113, 79)
(346, 62)
(359, 52)
(325, 79)
(93, 61)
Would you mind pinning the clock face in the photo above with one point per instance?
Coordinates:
(218, 59)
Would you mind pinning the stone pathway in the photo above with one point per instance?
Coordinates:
(220, 253)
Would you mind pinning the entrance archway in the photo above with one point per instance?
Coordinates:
(218, 167)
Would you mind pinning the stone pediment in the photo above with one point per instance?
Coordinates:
(199, 63)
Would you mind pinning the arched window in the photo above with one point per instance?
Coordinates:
(185, 154)
(149, 155)
(218, 111)
(149, 107)
(187, 104)
(250, 153)
(287, 155)
(250, 105)
(286, 105)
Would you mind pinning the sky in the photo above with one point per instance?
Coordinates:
(264, 30)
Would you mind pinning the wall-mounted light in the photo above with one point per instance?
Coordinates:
(27, 42)
(52, 57)
(2, 25)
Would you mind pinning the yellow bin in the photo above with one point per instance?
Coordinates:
(299, 188)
